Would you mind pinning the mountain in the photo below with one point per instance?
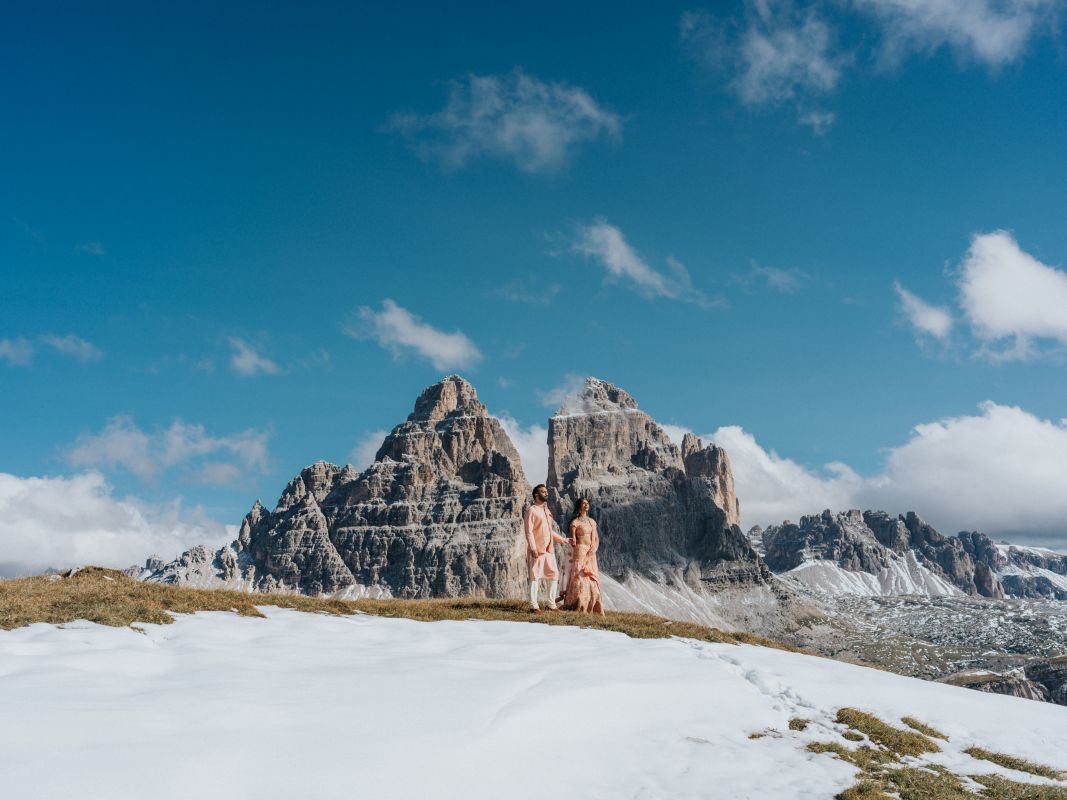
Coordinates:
(668, 515)
(872, 552)
(438, 514)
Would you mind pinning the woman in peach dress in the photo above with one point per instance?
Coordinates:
(583, 582)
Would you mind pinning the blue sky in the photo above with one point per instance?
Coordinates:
(236, 241)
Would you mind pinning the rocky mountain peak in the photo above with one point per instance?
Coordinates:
(452, 396)
(597, 396)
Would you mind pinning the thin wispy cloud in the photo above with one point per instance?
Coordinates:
(92, 248)
(785, 281)
(73, 346)
(532, 291)
(403, 333)
(517, 117)
(993, 33)
(246, 360)
(777, 53)
(21, 350)
(201, 457)
(17, 352)
(925, 318)
(605, 244)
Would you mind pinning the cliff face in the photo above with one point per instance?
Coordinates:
(662, 510)
(438, 514)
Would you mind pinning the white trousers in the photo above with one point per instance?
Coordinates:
(553, 586)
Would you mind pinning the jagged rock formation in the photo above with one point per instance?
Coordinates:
(1033, 572)
(438, 514)
(1043, 679)
(909, 556)
(668, 516)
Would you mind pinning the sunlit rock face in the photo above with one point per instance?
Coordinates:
(438, 514)
(666, 513)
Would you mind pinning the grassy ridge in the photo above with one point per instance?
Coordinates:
(112, 598)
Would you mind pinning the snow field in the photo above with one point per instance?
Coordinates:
(313, 706)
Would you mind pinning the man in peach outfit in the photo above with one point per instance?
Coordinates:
(540, 537)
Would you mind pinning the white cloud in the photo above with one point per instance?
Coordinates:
(556, 396)
(17, 352)
(786, 281)
(772, 488)
(532, 444)
(606, 244)
(399, 331)
(1002, 471)
(20, 351)
(780, 55)
(92, 248)
(73, 346)
(1007, 294)
(515, 117)
(927, 319)
(991, 32)
(73, 521)
(247, 361)
(362, 455)
(122, 444)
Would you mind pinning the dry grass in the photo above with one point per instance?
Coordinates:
(1011, 762)
(798, 724)
(112, 598)
(901, 742)
(884, 776)
(923, 728)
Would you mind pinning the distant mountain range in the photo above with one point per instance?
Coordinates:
(439, 514)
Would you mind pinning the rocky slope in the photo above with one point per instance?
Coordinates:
(872, 552)
(669, 515)
(438, 514)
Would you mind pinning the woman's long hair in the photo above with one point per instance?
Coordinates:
(575, 513)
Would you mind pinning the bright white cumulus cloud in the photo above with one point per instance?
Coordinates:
(517, 117)
(204, 458)
(73, 521)
(402, 332)
(1002, 470)
(606, 244)
(1011, 298)
(925, 318)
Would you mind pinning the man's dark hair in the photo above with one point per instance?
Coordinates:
(538, 486)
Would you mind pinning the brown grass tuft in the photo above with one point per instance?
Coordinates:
(897, 741)
(1011, 762)
(798, 724)
(923, 728)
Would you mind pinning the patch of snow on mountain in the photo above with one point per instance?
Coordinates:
(904, 576)
(308, 705)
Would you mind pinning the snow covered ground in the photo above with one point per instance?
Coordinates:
(311, 706)
(904, 576)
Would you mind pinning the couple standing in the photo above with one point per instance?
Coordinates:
(582, 591)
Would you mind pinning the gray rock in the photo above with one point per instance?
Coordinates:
(661, 511)
(438, 514)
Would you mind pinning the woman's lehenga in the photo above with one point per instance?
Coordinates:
(583, 583)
